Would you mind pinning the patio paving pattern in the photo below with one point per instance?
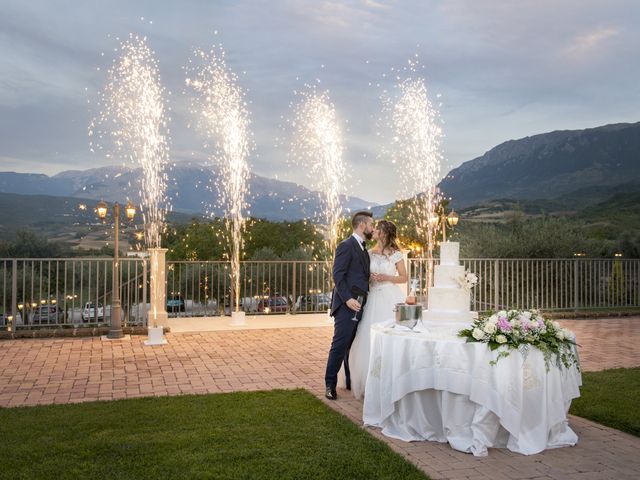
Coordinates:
(63, 370)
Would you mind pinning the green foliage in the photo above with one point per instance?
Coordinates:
(196, 241)
(259, 435)
(286, 240)
(400, 214)
(613, 217)
(263, 240)
(610, 397)
(29, 245)
(617, 284)
(546, 237)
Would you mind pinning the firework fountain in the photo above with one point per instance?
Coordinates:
(133, 118)
(416, 139)
(219, 105)
(317, 145)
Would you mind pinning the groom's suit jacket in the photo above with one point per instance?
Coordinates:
(350, 273)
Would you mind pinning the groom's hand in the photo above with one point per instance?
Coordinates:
(353, 304)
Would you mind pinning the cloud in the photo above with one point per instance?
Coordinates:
(505, 70)
(591, 43)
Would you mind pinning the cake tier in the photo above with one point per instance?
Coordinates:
(450, 253)
(448, 317)
(447, 275)
(448, 299)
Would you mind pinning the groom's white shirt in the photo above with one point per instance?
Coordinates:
(360, 240)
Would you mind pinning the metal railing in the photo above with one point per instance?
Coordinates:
(548, 284)
(58, 292)
(204, 288)
(54, 292)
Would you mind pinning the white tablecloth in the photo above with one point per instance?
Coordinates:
(435, 386)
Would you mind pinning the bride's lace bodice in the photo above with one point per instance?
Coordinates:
(385, 264)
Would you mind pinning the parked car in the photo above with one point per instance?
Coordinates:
(249, 304)
(4, 319)
(47, 314)
(317, 302)
(90, 312)
(175, 303)
(273, 304)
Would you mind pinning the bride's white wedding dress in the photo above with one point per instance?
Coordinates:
(379, 308)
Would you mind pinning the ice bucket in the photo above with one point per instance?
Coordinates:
(408, 315)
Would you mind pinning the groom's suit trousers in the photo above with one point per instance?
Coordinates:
(343, 334)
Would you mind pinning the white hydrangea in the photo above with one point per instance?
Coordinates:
(493, 318)
(490, 328)
(478, 334)
(501, 338)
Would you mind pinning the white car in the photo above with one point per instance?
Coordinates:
(89, 312)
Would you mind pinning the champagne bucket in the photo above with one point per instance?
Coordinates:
(408, 315)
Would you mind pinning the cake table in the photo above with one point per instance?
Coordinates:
(431, 385)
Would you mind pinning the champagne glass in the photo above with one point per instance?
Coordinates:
(359, 300)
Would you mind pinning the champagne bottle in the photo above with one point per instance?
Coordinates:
(411, 299)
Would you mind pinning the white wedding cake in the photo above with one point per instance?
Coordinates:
(448, 300)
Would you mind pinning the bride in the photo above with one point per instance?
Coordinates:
(387, 271)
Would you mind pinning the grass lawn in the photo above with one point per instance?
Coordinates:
(280, 434)
(610, 397)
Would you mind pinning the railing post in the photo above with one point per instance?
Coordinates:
(14, 296)
(496, 285)
(293, 307)
(576, 273)
(145, 311)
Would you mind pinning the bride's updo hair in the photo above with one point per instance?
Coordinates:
(389, 235)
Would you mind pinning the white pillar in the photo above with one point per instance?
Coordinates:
(238, 318)
(157, 317)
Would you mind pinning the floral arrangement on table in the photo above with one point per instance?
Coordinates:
(521, 329)
(467, 281)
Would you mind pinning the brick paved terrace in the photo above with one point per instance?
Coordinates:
(62, 370)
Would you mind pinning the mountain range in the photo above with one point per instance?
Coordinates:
(567, 165)
(189, 189)
(560, 171)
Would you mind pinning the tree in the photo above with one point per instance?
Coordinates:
(29, 245)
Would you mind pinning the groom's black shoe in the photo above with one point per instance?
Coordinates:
(330, 393)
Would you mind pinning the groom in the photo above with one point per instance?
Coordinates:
(351, 280)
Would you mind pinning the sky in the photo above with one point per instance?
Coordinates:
(500, 70)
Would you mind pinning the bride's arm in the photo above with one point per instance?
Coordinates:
(402, 272)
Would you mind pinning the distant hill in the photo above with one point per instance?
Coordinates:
(57, 218)
(188, 189)
(561, 172)
(552, 165)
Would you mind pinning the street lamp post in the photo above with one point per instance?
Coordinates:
(115, 331)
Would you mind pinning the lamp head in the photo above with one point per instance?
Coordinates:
(130, 210)
(102, 209)
(453, 218)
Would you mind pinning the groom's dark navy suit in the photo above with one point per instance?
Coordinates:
(351, 279)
